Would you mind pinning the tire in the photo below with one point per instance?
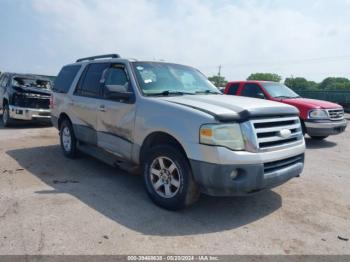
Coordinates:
(6, 119)
(68, 140)
(318, 137)
(169, 184)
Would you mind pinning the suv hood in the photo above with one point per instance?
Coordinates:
(310, 103)
(232, 108)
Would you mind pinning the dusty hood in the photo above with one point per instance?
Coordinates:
(233, 108)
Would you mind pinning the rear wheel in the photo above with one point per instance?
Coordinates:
(168, 178)
(6, 119)
(68, 140)
(318, 137)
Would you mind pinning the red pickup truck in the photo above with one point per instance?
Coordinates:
(319, 118)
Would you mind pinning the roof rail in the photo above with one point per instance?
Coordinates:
(98, 57)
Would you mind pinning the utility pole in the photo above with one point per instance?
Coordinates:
(219, 76)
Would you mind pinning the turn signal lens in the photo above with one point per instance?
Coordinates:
(206, 132)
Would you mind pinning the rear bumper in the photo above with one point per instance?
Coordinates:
(325, 128)
(243, 179)
(22, 113)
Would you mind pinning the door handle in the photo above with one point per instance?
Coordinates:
(102, 108)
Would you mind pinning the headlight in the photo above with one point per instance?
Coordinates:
(318, 114)
(226, 135)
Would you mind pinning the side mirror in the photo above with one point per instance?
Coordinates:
(118, 92)
(117, 88)
(260, 95)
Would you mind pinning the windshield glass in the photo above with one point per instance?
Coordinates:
(156, 78)
(277, 90)
(31, 82)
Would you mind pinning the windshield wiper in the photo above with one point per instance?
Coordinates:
(169, 92)
(290, 97)
(208, 92)
(282, 97)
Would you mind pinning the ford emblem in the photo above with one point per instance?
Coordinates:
(285, 133)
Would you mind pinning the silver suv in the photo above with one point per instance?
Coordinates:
(171, 122)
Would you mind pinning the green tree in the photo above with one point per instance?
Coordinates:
(300, 83)
(265, 77)
(218, 81)
(335, 83)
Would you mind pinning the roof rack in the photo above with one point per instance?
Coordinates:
(98, 57)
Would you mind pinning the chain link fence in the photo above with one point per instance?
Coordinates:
(339, 97)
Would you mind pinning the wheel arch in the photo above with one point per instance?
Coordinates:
(5, 101)
(159, 138)
(61, 118)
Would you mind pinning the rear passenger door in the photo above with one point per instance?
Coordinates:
(86, 101)
(252, 90)
(116, 118)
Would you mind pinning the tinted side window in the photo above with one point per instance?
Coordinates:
(90, 83)
(65, 78)
(233, 89)
(116, 76)
(252, 90)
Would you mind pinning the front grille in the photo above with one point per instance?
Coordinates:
(336, 114)
(31, 102)
(280, 164)
(273, 133)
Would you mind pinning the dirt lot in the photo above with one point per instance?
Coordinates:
(53, 205)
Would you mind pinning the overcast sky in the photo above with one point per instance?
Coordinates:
(299, 38)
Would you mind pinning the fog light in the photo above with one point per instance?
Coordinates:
(233, 174)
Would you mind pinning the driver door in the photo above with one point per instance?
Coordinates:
(116, 118)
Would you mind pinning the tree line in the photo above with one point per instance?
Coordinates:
(295, 83)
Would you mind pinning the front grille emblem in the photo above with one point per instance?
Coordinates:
(285, 133)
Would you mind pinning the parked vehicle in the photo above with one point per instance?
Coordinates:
(172, 122)
(319, 118)
(24, 97)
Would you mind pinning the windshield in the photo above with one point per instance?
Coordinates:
(31, 82)
(277, 90)
(156, 78)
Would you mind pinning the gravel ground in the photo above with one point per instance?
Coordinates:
(53, 205)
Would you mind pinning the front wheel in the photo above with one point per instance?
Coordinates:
(6, 119)
(68, 140)
(168, 178)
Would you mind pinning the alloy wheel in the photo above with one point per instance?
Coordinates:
(165, 177)
(66, 139)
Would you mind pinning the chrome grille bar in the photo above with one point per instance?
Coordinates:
(275, 133)
(336, 114)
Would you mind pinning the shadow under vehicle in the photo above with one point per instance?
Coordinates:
(120, 196)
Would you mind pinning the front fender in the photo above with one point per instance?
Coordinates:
(181, 122)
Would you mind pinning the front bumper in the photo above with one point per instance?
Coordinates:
(325, 127)
(22, 113)
(217, 180)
